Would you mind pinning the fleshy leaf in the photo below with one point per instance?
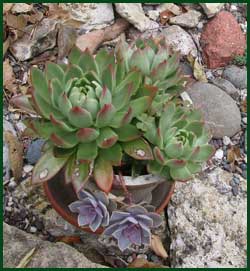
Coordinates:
(112, 154)
(75, 55)
(80, 117)
(80, 174)
(202, 153)
(87, 151)
(140, 105)
(53, 70)
(47, 167)
(87, 134)
(138, 149)
(61, 124)
(87, 62)
(107, 138)
(64, 139)
(176, 163)
(159, 156)
(127, 133)
(72, 72)
(180, 174)
(64, 104)
(105, 115)
(103, 174)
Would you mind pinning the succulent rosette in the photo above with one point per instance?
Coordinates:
(87, 111)
(132, 226)
(92, 208)
(180, 142)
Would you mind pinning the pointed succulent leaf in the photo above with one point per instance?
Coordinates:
(140, 105)
(103, 59)
(87, 151)
(87, 134)
(92, 106)
(174, 150)
(159, 57)
(112, 154)
(147, 90)
(80, 175)
(196, 127)
(176, 163)
(134, 77)
(122, 118)
(40, 84)
(103, 174)
(69, 167)
(72, 72)
(80, 117)
(74, 55)
(127, 133)
(107, 138)
(138, 149)
(64, 139)
(61, 124)
(121, 97)
(87, 62)
(60, 152)
(23, 102)
(154, 167)
(108, 78)
(47, 167)
(180, 174)
(55, 91)
(159, 156)
(166, 116)
(105, 115)
(106, 97)
(193, 167)
(53, 70)
(64, 104)
(202, 153)
(139, 61)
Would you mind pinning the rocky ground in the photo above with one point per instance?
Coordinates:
(206, 219)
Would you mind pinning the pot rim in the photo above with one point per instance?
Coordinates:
(73, 221)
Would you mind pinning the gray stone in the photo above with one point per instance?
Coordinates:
(227, 86)
(221, 114)
(189, 19)
(43, 38)
(16, 245)
(236, 76)
(34, 151)
(180, 40)
(208, 226)
(134, 14)
(92, 15)
(211, 8)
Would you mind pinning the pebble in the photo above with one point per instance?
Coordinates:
(142, 256)
(130, 259)
(233, 8)
(33, 229)
(244, 120)
(34, 151)
(27, 168)
(226, 140)
(244, 174)
(235, 190)
(219, 154)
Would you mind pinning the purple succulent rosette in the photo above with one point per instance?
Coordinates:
(92, 209)
(133, 226)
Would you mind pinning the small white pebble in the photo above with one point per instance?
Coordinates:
(219, 154)
(130, 259)
(27, 168)
(233, 8)
(33, 229)
(142, 256)
(226, 140)
(244, 120)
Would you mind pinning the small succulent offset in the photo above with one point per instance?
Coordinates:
(92, 208)
(180, 142)
(132, 226)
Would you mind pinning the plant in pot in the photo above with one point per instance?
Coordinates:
(117, 137)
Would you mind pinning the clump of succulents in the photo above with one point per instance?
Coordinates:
(180, 142)
(132, 226)
(93, 209)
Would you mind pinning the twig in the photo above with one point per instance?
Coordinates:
(127, 193)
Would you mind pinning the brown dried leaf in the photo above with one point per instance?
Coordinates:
(8, 76)
(233, 154)
(69, 240)
(198, 72)
(17, 23)
(142, 263)
(26, 259)
(15, 154)
(243, 106)
(165, 16)
(157, 246)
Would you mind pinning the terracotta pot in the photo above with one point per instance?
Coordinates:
(61, 195)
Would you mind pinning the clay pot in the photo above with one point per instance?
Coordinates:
(156, 190)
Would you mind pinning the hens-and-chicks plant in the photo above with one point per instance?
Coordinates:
(96, 110)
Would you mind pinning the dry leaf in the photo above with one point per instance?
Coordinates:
(8, 76)
(243, 106)
(7, 7)
(17, 23)
(26, 259)
(198, 70)
(142, 263)
(233, 154)
(157, 246)
(35, 17)
(165, 16)
(69, 240)
(65, 40)
(15, 154)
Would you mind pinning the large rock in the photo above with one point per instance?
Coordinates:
(208, 223)
(221, 114)
(92, 15)
(211, 8)
(236, 76)
(180, 40)
(227, 86)
(222, 39)
(189, 19)
(17, 244)
(43, 38)
(134, 14)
